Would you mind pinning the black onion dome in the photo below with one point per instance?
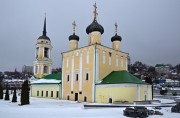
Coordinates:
(94, 26)
(116, 38)
(44, 37)
(74, 37)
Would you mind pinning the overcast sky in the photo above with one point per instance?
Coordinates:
(150, 29)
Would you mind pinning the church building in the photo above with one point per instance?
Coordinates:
(97, 73)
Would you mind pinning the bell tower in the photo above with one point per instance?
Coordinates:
(43, 56)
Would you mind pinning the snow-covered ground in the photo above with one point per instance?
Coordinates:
(50, 108)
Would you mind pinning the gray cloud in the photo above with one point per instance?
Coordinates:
(149, 29)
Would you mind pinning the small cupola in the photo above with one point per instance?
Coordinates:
(116, 39)
(73, 38)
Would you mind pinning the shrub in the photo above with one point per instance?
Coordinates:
(7, 94)
(163, 92)
(174, 93)
(1, 91)
(25, 93)
(14, 99)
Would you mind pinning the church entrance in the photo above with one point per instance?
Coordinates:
(76, 96)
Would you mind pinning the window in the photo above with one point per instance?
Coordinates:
(46, 50)
(36, 69)
(67, 78)
(87, 57)
(68, 97)
(104, 57)
(87, 76)
(46, 93)
(110, 100)
(37, 52)
(45, 69)
(110, 58)
(51, 93)
(37, 93)
(42, 93)
(122, 63)
(85, 98)
(57, 94)
(76, 77)
(117, 60)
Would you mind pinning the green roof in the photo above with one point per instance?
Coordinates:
(56, 76)
(121, 77)
(159, 65)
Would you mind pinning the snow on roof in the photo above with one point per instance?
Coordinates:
(46, 81)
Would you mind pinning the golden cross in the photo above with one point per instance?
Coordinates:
(74, 26)
(116, 26)
(95, 11)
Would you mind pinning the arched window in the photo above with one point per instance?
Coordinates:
(68, 97)
(110, 100)
(46, 52)
(85, 98)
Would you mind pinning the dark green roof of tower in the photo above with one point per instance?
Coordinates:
(121, 77)
(44, 36)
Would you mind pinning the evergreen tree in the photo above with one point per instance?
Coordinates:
(7, 93)
(14, 99)
(25, 93)
(1, 91)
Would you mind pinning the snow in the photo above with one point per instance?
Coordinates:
(46, 81)
(52, 108)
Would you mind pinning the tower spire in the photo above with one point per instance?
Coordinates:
(95, 11)
(116, 26)
(74, 26)
(44, 29)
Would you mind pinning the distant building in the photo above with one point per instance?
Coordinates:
(27, 69)
(162, 69)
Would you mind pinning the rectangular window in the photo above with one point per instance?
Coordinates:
(42, 93)
(122, 63)
(104, 57)
(87, 76)
(57, 94)
(117, 60)
(37, 52)
(37, 93)
(36, 69)
(46, 51)
(110, 58)
(51, 93)
(45, 69)
(46, 93)
(76, 77)
(67, 78)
